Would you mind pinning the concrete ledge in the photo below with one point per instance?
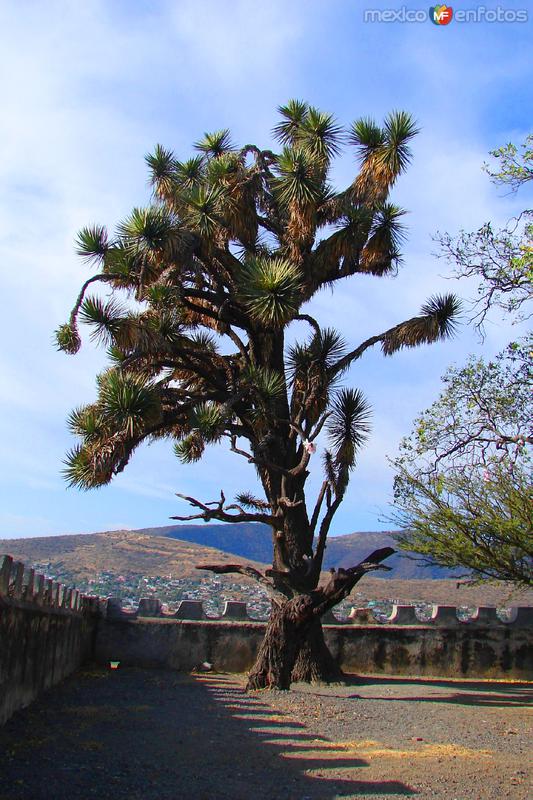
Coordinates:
(422, 649)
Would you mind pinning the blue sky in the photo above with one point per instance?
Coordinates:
(88, 88)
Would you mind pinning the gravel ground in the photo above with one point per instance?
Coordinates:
(158, 735)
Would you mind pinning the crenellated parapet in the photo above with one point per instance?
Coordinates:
(404, 615)
(234, 610)
(22, 584)
(444, 616)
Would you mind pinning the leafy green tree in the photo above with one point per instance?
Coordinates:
(462, 489)
(204, 284)
(463, 485)
(515, 165)
(500, 259)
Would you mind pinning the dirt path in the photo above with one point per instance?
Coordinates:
(156, 735)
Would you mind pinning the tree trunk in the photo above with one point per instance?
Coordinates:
(314, 663)
(293, 649)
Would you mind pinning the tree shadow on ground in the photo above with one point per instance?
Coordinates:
(146, 735)
(472, 693)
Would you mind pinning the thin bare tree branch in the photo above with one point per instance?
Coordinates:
(220, 512)
(249, 572)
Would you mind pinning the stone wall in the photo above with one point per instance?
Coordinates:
(440, 646)
(46, 631)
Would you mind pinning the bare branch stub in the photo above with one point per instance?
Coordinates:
(342, 581)
(248, 571)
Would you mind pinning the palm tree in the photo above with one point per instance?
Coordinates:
(235, 242)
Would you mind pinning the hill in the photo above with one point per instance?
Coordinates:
(254, 541)
(80, 558)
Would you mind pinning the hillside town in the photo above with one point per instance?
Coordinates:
(212, 590)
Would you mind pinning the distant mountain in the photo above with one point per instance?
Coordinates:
(177, 548)
(254, 541)
(78, 557)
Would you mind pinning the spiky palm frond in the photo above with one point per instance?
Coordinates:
(162, 296)
(127, 332)
(343, 247)
(294, 115)
(308, 368)
(94, 463)
(166, 326)
(79, 469)
(86, 421)
(329, 346)
(384, 153)
(323, 351)
(105, 318)
(127, 402)
(265, 384)
(149, 232)
(201, 209)
(381, 252)
(190, 449)
(92, 243)
(147, 336)
(116, 355)
(349, 425)
(297, 181)
(205, 342)
(320, 135)
(190, 173)
(67, 338)
(445, 311)
(123, 263)
(215, 144)
(366, 136)
(162, 166)
(247, 500)
(400, 127)
(330, 469)
(270, 289)
(222, 169)
(209, 420)
(438, 320)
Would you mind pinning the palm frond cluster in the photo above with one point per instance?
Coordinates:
(203, 283)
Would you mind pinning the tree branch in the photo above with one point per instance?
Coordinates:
(345, 361)
(311, 320)
(323, 534)
(250, 572)
(107, 276)
(318, 506)
(260, 462)
(342, 581)
(220, 512)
